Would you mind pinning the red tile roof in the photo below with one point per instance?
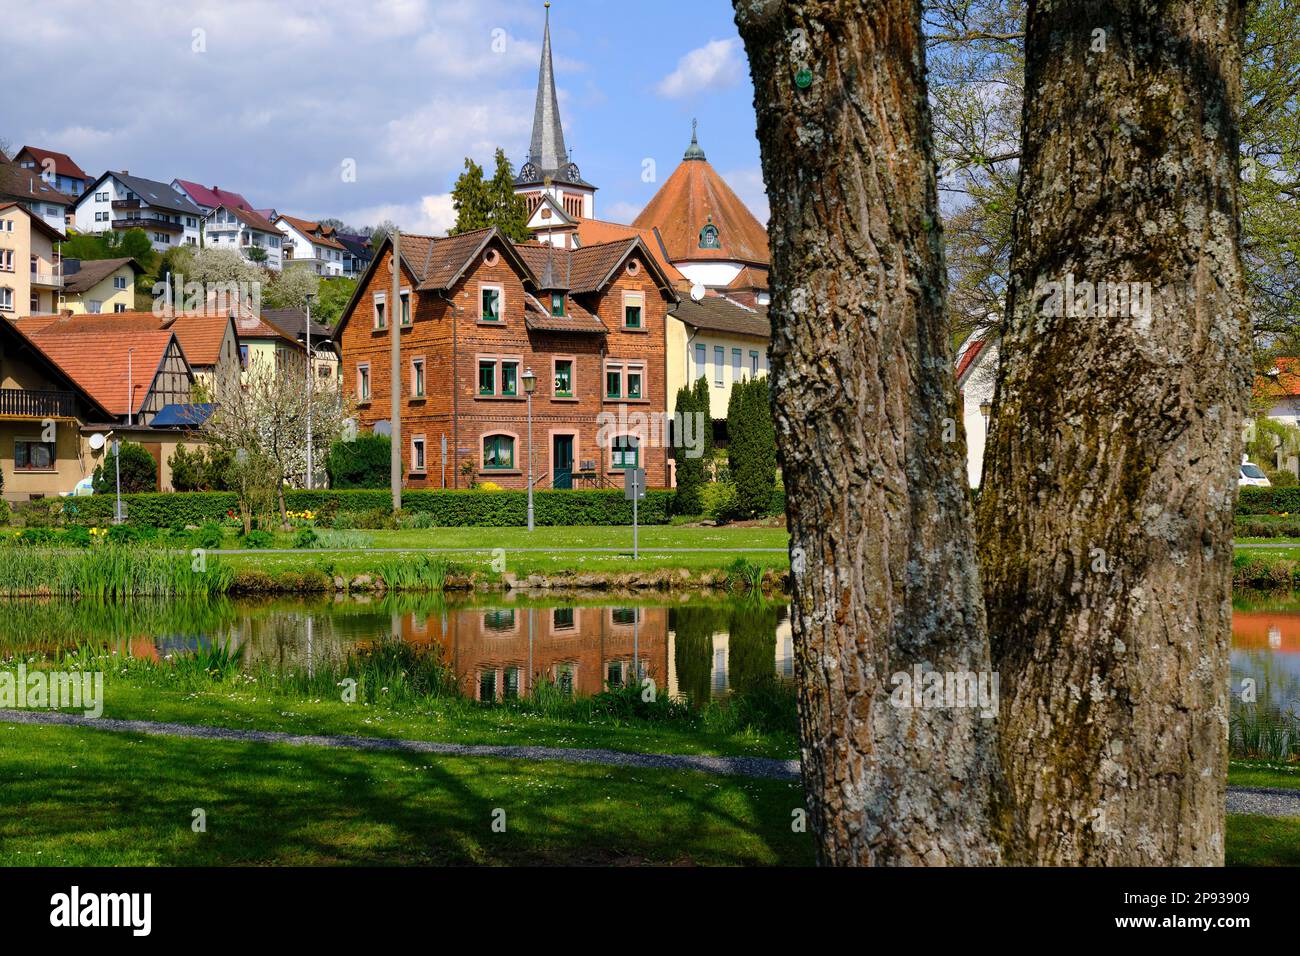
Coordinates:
(321, 235)
(1283, 380)
(200, 337)
(684, 205)
(593, 232)
(63, 164)
(251, 218)
(214, 196)
(97, 362)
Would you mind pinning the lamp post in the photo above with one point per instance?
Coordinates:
(986, 409)
(310, 296)
(530, 383)
(130, 389)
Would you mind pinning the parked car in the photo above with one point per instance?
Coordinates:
(1252, 475)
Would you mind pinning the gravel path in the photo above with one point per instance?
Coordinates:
(1264, 801)
(732, 766)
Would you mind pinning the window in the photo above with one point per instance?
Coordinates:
(499, 452)
(363, 383)
(417, 378)
(487, 377)
(753, 363)
(564, 378)
(709, 237)
(406, 307)
(499, 619)
(32, 455)
(632, 305)
(613, 381)
(243, 357)
(510, 687)
(614, 673)
(417, 453)
(562, 619)
(7, 299)
(6, 225)
(565, 678)
(719, 358)
(93, 306)
(487, 686)
(119, 282)
(6, 260)
(490, 303)
(623, 616)
(634, 377)
(735, 365)
(625, 452)
(99, 217)
(557, 304)
(381, 317)
(509, 378)
(119, 306)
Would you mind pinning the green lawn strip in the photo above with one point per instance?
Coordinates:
(78, 797)
(1262, 841)
(444, 721)
(1263, 773)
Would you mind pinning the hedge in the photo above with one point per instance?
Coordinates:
(450, 509)
(1267, 501)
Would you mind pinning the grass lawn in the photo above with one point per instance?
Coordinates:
(1262, 841)
(446, 720)
(79, 797)
(582, 549)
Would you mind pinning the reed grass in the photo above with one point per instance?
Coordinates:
(419, 572)
(108, 572)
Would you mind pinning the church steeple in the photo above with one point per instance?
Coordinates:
(547, 151)
(557, 196)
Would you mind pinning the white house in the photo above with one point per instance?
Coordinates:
(312, 243)
(116, 202)
(977, 371)
(230, 227)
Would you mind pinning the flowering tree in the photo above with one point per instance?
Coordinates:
(262, 423)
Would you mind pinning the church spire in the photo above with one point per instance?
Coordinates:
(547, 151)
(694, 151)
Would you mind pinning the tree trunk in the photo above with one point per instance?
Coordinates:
(882, 554)
(1106, 513)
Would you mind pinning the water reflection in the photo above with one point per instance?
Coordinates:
(498, 650)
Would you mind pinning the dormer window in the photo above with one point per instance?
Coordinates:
(709, 236)
(557, 304)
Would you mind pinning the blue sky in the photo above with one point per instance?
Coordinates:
(271, 98)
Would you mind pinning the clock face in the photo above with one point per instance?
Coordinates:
(573, 174)
(528, 172)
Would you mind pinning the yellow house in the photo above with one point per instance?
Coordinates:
(94, 286)
(31, 276)
(719, 339)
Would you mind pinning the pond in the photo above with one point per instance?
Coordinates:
(1265, 676)
(498, 647)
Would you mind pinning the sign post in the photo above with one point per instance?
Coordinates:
(634, 491)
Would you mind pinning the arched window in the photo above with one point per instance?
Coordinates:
(498, 452)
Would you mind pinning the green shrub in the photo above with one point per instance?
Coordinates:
(691, 406)
(124, 534)
(362, 463)
(305, 538)
(39, 512)
(139, 472)
(720, 501)
(38, 536)
(257, 538)
(76, 536)
(5, 513)
(1269, 501)
(210, 536)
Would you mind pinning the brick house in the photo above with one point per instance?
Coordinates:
(477, 312)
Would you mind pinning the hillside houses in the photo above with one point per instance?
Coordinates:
(118, 202)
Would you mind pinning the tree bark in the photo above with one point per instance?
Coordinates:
(1106, 513)
(882, 555)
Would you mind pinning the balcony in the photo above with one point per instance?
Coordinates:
(147, 222)
(47, 280)
(28, 403)
(123, 204)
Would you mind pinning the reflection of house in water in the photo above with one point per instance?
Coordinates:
(499, 653)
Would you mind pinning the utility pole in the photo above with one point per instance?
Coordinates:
(395, 376)
(310, 296)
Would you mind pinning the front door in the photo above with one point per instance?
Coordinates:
(562, 457)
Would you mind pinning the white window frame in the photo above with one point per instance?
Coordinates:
(363, 378)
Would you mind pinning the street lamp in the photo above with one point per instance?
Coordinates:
(986, 409)
(310, 296)
(530, 383)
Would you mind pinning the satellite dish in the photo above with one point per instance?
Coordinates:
(698, 291)
(97, 441)
(383, 428)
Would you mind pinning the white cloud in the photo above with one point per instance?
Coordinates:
(623, 212)
(714, 66)
(431, 216)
